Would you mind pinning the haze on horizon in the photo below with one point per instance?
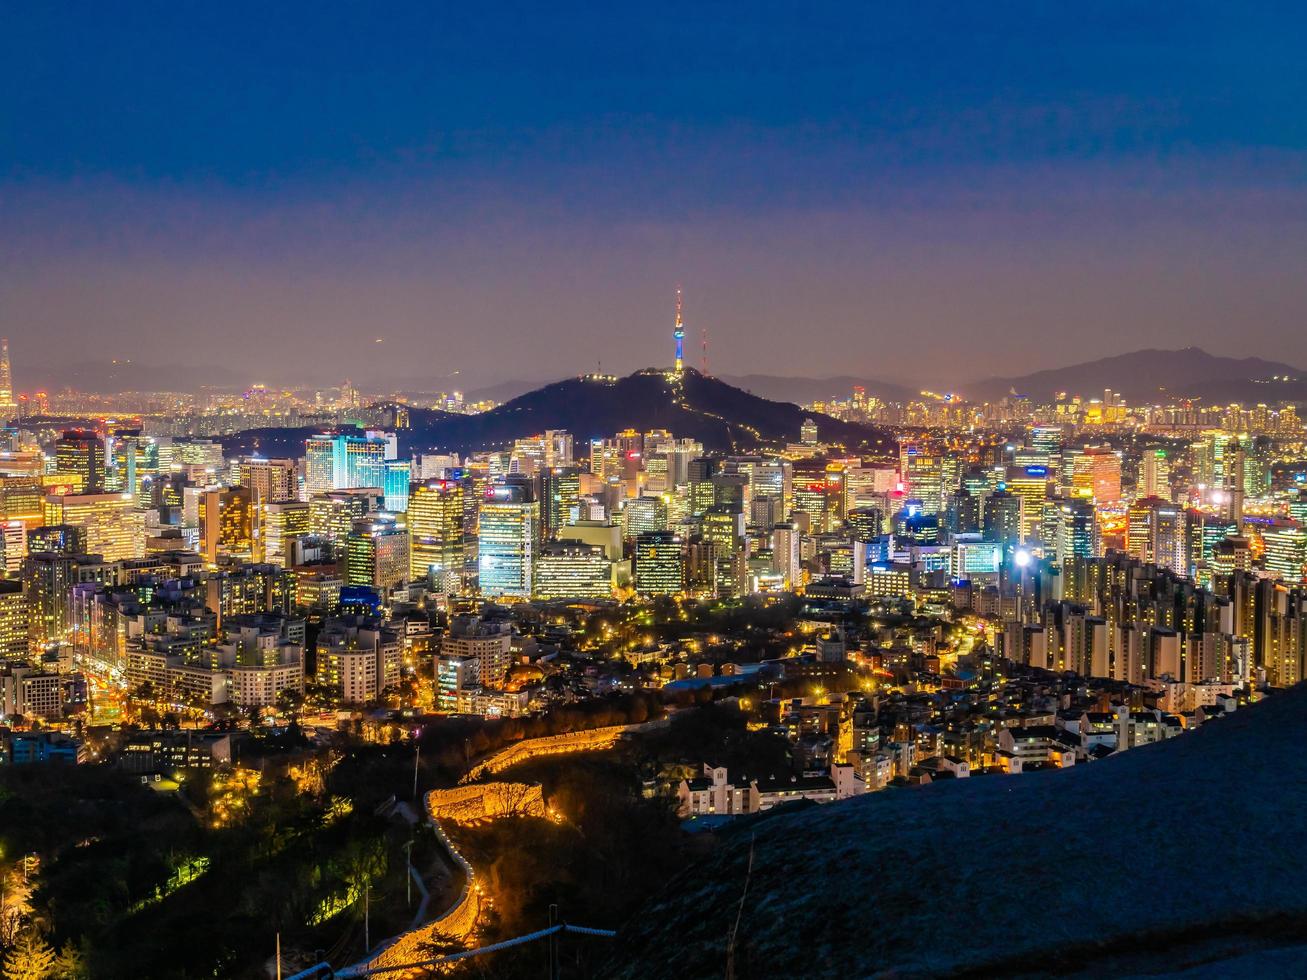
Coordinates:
(515, 193)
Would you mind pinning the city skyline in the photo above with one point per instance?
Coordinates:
(825, 193)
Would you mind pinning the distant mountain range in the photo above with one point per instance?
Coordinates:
(1141, 376)
(1072, 872)
(1149, 375)
(722, 417)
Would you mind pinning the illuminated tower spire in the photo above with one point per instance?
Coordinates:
(7, 403)
(678, 333)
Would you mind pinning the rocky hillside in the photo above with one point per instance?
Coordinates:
(1182, 856)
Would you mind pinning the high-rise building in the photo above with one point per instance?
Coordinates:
(923, 475)
(1286, 551)
(377, 553)
(659, 563)
(786, 549)
(79, 456)
(397, 475)
(435, 525)
(572, 570)
(226, 523)
(1030, 483)
(1003, 517)
(13, 622)
(114, 527)
(1076, 530)
(8, 406)
(332, 514)
(560, 493)
(270, 481)
(1155, 533)
(346, 461)
(48, 582)
(1155, 475)
(644, 514)
(506, 538)
(282, 526)
(487, 642)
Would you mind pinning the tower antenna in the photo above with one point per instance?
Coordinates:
(678, 332)
(704, 359)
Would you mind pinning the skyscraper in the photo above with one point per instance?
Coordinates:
(7, 404)
(659, 564)
(507, 540)
(79, 455)
(435, 522)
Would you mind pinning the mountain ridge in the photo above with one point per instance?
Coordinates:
(1144, 374)
(690, 404)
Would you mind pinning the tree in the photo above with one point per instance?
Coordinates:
(440, 944)
(30, 958)
(70, 964)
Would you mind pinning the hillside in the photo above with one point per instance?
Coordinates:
(1165, 858)
(1146, 375)
(805, 390)
(722, 417)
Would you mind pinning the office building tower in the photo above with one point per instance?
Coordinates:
(8, 405)
(506, 541)
(377, 553)
(227, 520)
(1286, 551)
(435, 523)
(1155, 475)
(1076, 534)
(332, 514)
(79, 457)
(924, 478)
(560, 495)
(572, 570)
(813, 499)
(644, 514)
(282, 526)
(787, 551)
(13, 622)
(270, 481)
(659, 563)
(1030, 483)
(114, 528)
(397, 475)
(1003, 514)
(319, 465)
(1155, 532)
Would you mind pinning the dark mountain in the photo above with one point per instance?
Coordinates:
(1121, 867)
(722, 417)
(1147, 375)
(719, 415)
(804, 390)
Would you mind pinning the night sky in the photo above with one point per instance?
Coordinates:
(913, 191)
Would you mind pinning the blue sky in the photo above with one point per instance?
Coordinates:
(515, 190)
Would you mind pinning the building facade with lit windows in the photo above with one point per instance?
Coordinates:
(435, 519)
(115, 529)
(659, 563)
(572, 570)
(506, 542)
